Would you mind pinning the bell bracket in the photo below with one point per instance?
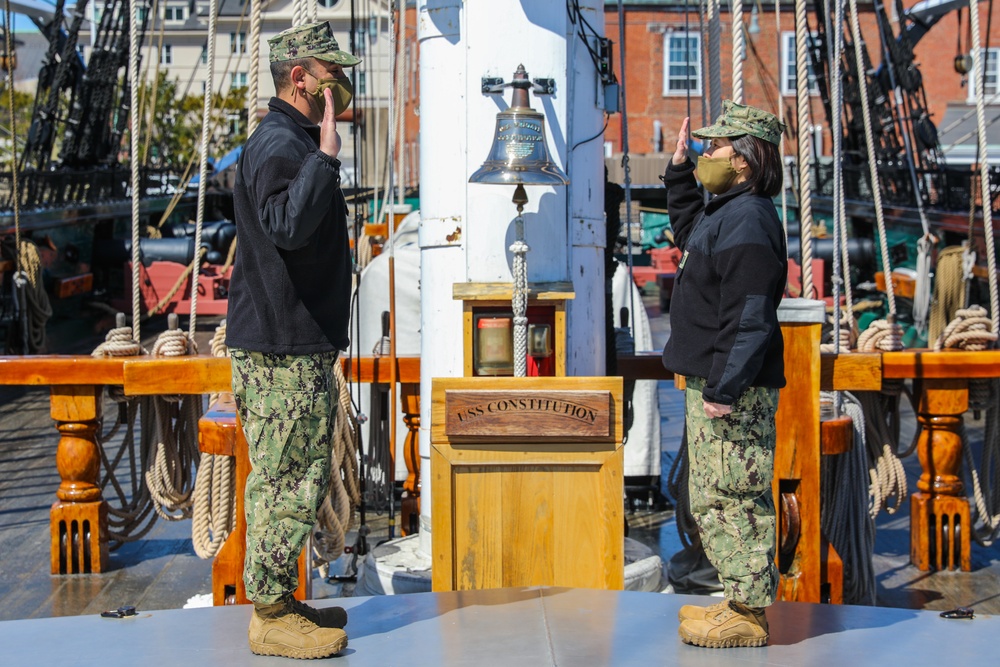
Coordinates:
(495, 85)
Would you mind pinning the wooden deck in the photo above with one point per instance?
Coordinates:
(161, 570)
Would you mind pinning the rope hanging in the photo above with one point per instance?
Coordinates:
(805, 154)
(984, 166)
(214, 512)
(31, 299)
(887, 334)
(781, 119)
(206, 116)
(839, 238)
(949, 290)
(337, 510)
(739, 49)
(714, 29)
(133, 76)
(986, 527)
(845, 516)
(256, 14)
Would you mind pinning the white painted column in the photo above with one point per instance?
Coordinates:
(466, 229)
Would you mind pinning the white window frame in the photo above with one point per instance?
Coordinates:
(237, 42)
(166, 54)
(237, 80)
(990, 87)
(668, 36)
(174, 13)
(789, 66)
(327, 4)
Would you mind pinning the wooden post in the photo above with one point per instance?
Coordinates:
(940, 523)
(79, 518)
(409, 516)
(797, 457)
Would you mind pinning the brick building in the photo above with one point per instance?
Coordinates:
(660, 93)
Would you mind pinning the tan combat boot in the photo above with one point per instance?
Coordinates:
(693, 612)
(733, 625)
(279, 629)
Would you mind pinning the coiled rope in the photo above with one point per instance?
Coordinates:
(214, 512)
(170, 478)
(880, 420)
(949, 290)
(337, 510)
(36, 305)
(970, 330)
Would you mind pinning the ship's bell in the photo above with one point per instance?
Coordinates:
(519, 154)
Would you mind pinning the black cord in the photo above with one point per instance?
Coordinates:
(580, 143)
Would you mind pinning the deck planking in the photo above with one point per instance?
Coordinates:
(161, 570)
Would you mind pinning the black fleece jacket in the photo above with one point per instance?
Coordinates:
(291, 283)
(723, 309)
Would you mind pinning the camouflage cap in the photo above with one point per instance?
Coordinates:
(738, 119)
(313, 40)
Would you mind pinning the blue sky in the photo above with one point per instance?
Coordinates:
(23, 23)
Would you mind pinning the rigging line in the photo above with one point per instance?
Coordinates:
(979, 65)
(253, 93)
(805, 153)
(900, 118)
(876, 188)
(19, 280)
(687, 58)
(739, 49)
(625, 163)
(837, 79)
(203, 166)
(133, 75)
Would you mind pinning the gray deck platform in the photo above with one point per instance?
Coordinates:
(533, 627)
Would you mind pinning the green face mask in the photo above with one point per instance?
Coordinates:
(716, 173)
(342, 89)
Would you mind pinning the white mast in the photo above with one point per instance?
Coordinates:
(465, 229)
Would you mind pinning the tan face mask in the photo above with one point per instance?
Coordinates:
(716, 173)
(343, 92)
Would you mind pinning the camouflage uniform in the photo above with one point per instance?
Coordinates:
(732, 465)
(286, 406)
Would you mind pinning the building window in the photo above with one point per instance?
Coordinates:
(362, 84)
(204, 54)
(237, 42)
(173, 14)
(990, 88)
(237, 80)
(233, 121)
(327, 4)
(166, 55)
(788, 67)
(360, 37)
(681, 63)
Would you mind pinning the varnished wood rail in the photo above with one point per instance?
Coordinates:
(78, 518)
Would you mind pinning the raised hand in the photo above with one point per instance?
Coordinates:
(680, 153)
(329, 139)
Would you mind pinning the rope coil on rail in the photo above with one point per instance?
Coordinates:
(337, 511)
(970, 330)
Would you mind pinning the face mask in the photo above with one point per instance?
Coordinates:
(343, 92)
(716, 173)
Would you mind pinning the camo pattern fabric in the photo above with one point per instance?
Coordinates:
(285, 404)
(731, 468)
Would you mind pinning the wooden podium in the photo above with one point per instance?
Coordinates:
(527, 482)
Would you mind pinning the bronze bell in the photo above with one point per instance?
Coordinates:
(519, 154)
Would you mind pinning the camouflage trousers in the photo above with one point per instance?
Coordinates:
(731, 469)
(285, 404)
